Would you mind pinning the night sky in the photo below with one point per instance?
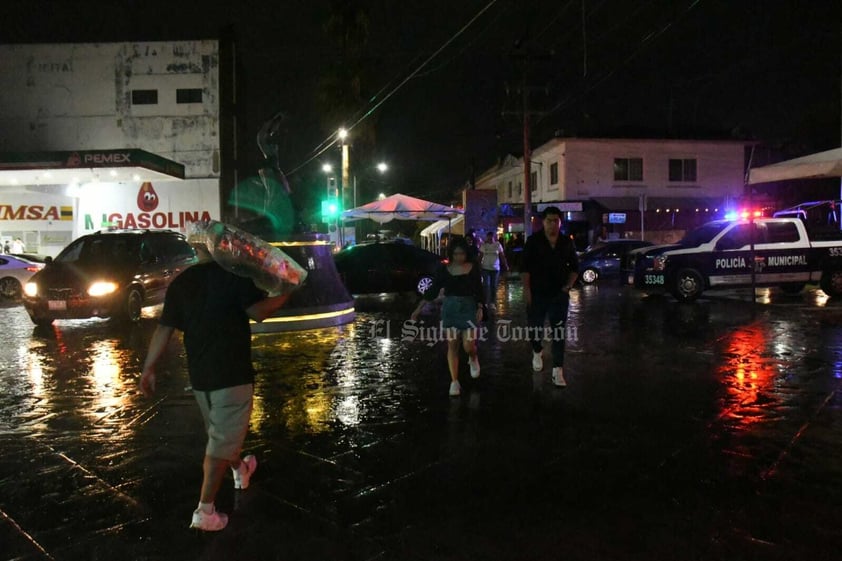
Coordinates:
(752, 69)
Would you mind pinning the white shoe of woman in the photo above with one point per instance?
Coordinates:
(455, 388)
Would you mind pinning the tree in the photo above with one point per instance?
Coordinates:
(341, 97)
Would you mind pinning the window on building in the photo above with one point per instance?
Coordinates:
(533, 180)
(682, 170)
(554, 174)
(520, 190)
(188, 95)
(510, 189)
(628, 169)
(144, 97)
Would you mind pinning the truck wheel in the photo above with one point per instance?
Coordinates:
(689, 285)
(590, 275)
(793, 288)
(831, 283)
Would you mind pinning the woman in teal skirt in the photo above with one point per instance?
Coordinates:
(461, 311)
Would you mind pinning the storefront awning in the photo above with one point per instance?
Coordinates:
(618, 203)
(85, 166)
(685, 203)
(654, 203)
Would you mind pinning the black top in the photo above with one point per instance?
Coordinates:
(468, 284)
(549, 267)
(209, 305)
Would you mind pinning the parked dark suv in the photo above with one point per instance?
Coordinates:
(107, 274)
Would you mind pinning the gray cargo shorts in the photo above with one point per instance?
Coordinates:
(226, 413)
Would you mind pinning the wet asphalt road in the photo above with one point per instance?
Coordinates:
(693, 432)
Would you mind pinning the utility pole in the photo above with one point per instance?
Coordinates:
(526, 113)
(527, 161)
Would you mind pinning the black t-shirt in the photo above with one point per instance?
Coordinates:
(549, 267)
(469, 284)
(209, 305)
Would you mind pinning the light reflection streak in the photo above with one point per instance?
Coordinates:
(748, 375)
(107, 384)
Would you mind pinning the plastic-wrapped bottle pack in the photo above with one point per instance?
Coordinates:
(246, 255)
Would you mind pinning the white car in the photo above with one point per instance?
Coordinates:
(15, 272)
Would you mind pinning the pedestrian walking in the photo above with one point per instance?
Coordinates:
(550, 270)
(17, 246)
(7, 247)
(473, 246)
(493, 261)
(461, 310)
(212, 308)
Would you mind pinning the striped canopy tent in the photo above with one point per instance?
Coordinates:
(401, 207)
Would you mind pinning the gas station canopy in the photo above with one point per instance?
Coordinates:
(85, 166)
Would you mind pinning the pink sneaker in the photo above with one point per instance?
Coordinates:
(213, 522)
(242, 476)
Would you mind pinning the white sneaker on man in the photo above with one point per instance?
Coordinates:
(537, 362)
(213, 522)
(455, 388)
(474, 364)
(242, 476)
(558, 377)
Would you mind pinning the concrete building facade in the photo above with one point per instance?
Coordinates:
(606, 181)
(72, 117)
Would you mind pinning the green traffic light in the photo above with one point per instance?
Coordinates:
(330, 210)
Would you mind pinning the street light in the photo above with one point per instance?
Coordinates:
(382, 167)
(342, 133)
(327, 168)
(381, 196)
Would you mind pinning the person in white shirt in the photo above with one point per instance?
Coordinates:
(17, 246)
(492, 258)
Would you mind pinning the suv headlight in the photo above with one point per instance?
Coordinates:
(30, 289)
(102, 288)
(659, 263)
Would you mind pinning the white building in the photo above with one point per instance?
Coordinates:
(593, 179)
(119, 134)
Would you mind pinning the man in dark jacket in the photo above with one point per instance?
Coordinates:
(550, 269)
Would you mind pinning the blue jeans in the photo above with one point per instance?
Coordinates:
(490, 278)
(555, 309)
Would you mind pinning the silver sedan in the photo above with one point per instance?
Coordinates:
(15, 272)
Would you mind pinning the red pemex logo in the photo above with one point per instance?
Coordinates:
(147, 198)
(74, 161)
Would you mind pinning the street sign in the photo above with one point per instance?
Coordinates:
(617, 218)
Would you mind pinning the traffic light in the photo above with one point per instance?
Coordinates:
(330, 209)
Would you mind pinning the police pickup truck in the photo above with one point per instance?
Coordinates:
(719, 255)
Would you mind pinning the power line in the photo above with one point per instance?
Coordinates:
(643, 43)
(326, 144)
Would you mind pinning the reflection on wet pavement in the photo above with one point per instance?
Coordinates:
(704, 431)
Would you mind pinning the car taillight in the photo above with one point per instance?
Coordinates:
(32, 269)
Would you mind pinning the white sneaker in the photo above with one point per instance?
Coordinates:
(213, 522)
(243, 475)
(558, 377)
(455, 388)
(474, 364)
(537, 362)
